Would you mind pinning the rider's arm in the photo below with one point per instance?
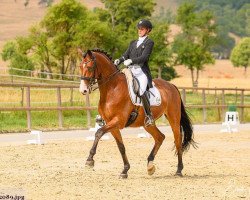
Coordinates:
(125, 56)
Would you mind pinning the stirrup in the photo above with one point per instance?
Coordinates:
(149, 121)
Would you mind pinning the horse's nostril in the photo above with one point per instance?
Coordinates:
(85, 91)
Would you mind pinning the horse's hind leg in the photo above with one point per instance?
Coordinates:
(158, 137)
(176, 128)
(119, 141)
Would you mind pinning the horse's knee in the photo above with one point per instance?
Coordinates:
(99, 133)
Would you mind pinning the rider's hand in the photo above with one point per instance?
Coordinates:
(117, 62)
(127, 62)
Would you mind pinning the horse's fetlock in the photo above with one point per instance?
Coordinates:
(127, 166)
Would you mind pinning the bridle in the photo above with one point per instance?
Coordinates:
(94, 79)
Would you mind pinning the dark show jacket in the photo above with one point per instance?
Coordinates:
(140, 56)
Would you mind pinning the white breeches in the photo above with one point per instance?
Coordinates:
(143, 80)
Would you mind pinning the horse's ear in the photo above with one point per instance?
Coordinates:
(80, 52)
(89, 52)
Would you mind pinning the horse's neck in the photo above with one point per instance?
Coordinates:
(108, 89)
(106, 67)
(109, 76)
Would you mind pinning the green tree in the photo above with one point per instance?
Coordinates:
(16, 53)
(128, 11)
(41, 50)
(161, 59)
(23, 62)
(223, 44)
(231, 17)
(193, 45)
(122, 17)
(60, 23)
(240, 56)
(94, 33)
(9, 50)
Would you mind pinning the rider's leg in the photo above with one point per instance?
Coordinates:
(143, 80)
(149, 120)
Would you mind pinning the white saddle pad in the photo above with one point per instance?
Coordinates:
(154, 98)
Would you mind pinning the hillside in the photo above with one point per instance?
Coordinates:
(221, 74)
(15, 20)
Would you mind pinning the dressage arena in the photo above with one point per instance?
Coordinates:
(219, 169)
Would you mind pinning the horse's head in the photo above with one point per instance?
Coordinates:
(88, 70)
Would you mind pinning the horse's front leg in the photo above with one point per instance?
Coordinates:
(90, 161)
(100, 132)
(118, 138)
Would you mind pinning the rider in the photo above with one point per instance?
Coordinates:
(136, 58)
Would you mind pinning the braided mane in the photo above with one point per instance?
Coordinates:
(103, 52)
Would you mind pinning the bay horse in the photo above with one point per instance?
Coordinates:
(115, 107)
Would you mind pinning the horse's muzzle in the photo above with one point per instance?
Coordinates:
(84, 92)
(84, 89)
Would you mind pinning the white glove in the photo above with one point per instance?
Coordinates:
(117, 62)
(127, 62)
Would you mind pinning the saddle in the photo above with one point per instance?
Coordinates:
(134, 86)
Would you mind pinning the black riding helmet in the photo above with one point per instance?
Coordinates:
(145, 23)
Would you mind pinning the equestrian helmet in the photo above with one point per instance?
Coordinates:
(145, 23)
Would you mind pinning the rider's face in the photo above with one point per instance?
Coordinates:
(142, 31)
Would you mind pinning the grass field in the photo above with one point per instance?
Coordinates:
(48, 120)
(16, 121)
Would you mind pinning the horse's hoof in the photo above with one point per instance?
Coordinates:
(178, 174)
(151, 168)
(90, 163)
(123, 176)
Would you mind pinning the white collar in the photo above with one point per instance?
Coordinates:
(141, 39)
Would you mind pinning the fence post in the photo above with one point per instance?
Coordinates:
(223, 103)
(242, 106)
(28, 108)
(88, 111)
(22, 100)
(71, 96)
(204, 105)
(184, 96)
(59, 104)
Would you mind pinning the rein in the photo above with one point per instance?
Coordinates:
(107, 80)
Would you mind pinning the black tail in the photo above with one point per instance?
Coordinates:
(187, 129)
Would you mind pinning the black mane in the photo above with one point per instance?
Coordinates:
(103, 52)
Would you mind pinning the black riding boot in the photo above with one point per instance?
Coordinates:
(149, 120)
